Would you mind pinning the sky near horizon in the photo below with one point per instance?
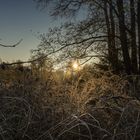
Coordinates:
(20, 19)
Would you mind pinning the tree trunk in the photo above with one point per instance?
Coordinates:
(110, 25)
(123, 37)
(138, 20)
(133, 38)
(112, 38)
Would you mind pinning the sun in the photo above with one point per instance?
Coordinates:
(75, 65)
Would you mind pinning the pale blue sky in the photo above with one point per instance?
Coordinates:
(17, 19)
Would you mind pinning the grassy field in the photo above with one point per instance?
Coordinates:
(89, 105)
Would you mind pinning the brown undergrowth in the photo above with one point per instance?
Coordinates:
(88, 106)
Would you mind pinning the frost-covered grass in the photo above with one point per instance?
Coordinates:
(88, 106)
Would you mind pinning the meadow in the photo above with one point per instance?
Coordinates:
(90, 105)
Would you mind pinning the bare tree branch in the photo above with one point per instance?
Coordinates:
(11, 46)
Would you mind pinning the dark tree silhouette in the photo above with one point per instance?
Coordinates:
(138, 22)
(133, 38)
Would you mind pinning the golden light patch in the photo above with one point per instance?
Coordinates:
(75, 66)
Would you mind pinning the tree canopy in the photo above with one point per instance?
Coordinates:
(110, 32)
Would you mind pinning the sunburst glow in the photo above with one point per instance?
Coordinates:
(75, 66)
